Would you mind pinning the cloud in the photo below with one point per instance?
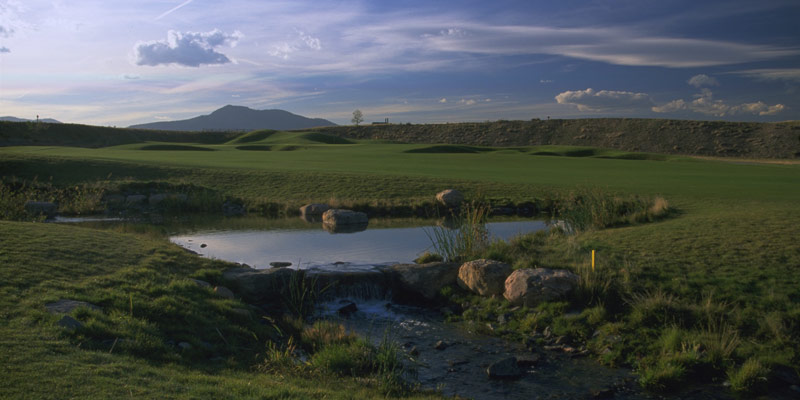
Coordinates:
(4, 50)
(130, 76)
(467, 102)
(302, 42)
(701, 80)
(704, 103)
(443, 100)
(774, 74)
(190, 49)
(603, 100)
(545, 81)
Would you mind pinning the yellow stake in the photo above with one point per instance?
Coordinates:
(592, 260)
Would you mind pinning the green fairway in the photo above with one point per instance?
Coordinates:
(733, 236)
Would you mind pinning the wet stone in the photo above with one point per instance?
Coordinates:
(440, 345)
(504, 369)
(347, 310)
(69, 323)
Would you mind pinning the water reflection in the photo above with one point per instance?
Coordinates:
(308, 245)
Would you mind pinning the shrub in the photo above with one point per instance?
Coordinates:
(750, 377)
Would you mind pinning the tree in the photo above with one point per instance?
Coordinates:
(357, 117)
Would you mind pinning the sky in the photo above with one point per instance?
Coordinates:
(118, 63)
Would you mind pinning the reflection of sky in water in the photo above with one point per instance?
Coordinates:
(318, 247)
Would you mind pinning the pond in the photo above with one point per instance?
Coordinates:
(384, 242)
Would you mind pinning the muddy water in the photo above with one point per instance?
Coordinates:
(459, 366)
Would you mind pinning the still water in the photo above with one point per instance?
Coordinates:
(311, 246)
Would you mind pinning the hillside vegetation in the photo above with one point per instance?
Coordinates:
(704, 138)
(76, 135)
(700, 138)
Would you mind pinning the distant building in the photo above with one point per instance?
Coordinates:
(386, 122)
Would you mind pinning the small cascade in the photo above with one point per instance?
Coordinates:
(351, 282)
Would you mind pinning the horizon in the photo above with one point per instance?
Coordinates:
(121, 64)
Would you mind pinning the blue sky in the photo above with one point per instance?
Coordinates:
(119, 63)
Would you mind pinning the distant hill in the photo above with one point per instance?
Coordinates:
(238, 118)
(702, 138)
(15, 119)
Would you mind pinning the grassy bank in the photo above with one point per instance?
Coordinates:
(149, 305)
(710, 292)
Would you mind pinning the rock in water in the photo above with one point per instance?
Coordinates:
(484, 277)
(336, 220)
(530, 287)
(422, 281)
(450, 198)
(504, 369)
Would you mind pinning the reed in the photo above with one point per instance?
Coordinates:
(463, 236)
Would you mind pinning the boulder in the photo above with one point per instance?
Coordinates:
(135, 199)
(37, 208)
(314, 209)
(530, 287)
(415, 280)
(156, 199)
(450, 198)
(504, 369)
(259, 285)
(65, 306)
(484, 277)
(231, 209)
(347, 220)
(69, 323)
(222, 291)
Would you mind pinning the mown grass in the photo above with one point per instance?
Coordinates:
(727, 247)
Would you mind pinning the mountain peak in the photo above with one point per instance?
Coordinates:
(240, 118)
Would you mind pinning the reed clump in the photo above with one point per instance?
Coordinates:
(462, 236)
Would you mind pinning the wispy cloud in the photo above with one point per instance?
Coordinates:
(190, 49)
(774, 74)
(5, 50)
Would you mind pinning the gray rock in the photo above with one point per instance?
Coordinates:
(314, 209)
(201, 283)
(414, 280)
(450, 198)
(222, 291)
(337, 220)
(69, 323)
(65, 306)
(484, 277)
(115, 199)
(440, 345)
(528, 361)
(37, 208)
(530, 287)
(231, 209)
(504, 369)
(260, 285)
(156, 199)
(347, 310)
(135, 199)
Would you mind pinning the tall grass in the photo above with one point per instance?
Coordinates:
(593, 208)
(465, 236)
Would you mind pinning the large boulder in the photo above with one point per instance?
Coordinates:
(530, 287)
(484, 277)
(337, 220)
(450, 198)
(410, 281)
(260, 285)
(37, 208)
(506, 368)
